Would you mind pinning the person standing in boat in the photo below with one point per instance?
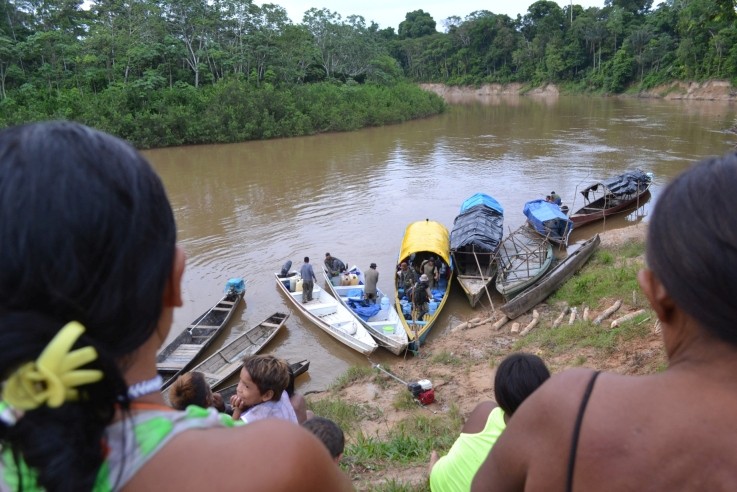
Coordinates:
(406, 278)
(556, 198)
(431, 271)
(371, 278)
(308, 280)
(421, 296)
(334, 266)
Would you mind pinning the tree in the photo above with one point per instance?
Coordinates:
(416, 24)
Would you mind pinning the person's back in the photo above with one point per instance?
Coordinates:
(81, 407)
(668, 431)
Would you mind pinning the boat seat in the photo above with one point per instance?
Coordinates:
(266, 323)
(180, 357)
(321, 309)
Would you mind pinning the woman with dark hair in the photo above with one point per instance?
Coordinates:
(517, 377)
(191, 388)
(90, 277)
(673, 430)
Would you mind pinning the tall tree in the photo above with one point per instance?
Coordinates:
(416, 24)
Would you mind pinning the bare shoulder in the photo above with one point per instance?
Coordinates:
(266, 455)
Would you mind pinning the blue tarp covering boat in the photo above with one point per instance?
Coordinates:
(480, 224)
(548, 220)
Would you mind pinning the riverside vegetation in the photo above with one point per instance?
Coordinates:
(390, 436)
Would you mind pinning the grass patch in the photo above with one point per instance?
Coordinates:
(351, 375)
(347, 415)
(585, 334)
(609, 274)
(404, 401)
(446, 358)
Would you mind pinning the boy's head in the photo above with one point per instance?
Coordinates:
(517, 377)
(263, 378)
(329, 433)
(190, 389)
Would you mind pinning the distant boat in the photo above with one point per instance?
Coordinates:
(327, 313)
(179, 355)
(229, 359)
(524, 257)
(552, 279)
(380, 319)
(474, 242)
(423, 240)
(548, 220)
(612, 196)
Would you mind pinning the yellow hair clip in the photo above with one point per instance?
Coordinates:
(52, 379)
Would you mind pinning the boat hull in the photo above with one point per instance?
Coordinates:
(329, 315)
(553, 279)
(524, 257)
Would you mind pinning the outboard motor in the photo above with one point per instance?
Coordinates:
(285, 268)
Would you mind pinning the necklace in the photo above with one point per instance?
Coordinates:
(141, 388)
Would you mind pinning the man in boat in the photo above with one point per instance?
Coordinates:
(371, 278)
(308, 280)
(333, 265)
(421, 296)
(406, 278)
(431, 271)
(556, 198)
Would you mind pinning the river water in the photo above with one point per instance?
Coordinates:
(244, 209)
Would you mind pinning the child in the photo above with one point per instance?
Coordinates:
(329, 433)
(192, 389)
(261, 390)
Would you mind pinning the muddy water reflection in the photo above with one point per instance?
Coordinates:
(244, 209)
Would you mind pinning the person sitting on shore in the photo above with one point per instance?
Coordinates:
(329, 433)
(669, 430)
(87, 228)
(517, 377)
(191, 388)
(297, 400)
(261, 392)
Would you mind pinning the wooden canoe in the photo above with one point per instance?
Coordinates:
(422, 240)
(384, 325)
(179, 355)
(612, 196)
(228, 360)
(524, 257)
(327, 313)
(474, 242)
(553, 279)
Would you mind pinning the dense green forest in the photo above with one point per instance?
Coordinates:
(170, 72)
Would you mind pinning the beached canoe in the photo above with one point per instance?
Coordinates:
(380, 318)
(327, 313)
(179, 355)
(553, 279)
(424, 240)
(474, 242)
(548, 220)
(612, 196)
(228, 360)
(524, 257)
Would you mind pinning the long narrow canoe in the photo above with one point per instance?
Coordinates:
(553, 279)
(229, 359)
(524, 257)
(474, 241)
(380, 319)
(179, 355)
(423, 240)
(612, 196)
(327, 313)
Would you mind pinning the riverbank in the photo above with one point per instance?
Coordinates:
(711, 90)
(390, 437)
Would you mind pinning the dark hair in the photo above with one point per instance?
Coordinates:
(701, 279)
(86, 234)
(517, 377)
(307, 259)
(190, 388)
(267, 373)
(328, 432)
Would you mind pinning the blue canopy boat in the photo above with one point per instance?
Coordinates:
(474, 243)
(548, 220)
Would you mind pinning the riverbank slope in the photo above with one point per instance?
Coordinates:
(390, 436)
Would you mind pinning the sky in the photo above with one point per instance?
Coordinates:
(389, 13)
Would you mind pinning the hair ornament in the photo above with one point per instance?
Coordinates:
(53, 378)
